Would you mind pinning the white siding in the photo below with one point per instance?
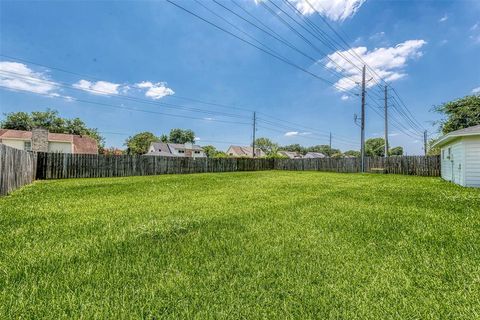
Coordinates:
(453, 168)
(17, 144)
(60, 147)
(472, 161)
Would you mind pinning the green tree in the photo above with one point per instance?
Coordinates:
(17, 121)
(181, 136)
(51, 121)
(139, 143)
(432, 151)
(325, 149)
(266, 145)
(210, 151)
(396, 151)
(220, 154)
(352, 153)
(164, 138)
(375, 147)
(294, 148)
(461, 113)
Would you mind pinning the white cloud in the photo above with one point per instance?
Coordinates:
(208, 118)
(444, 18)
(476, 90)
(155, 90)
(393, 134)
(344, 97)
(99, 87)
(474, 27)
(388, 63)
(337, 10)
(443, 42)
(296, 133)
(17, 76)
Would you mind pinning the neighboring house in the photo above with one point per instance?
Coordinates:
(460, 156)
(175, 150)
(291, 154)
(312, 155)
(238, 151)
(43, 141)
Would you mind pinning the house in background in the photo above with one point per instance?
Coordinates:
(43, 141)
(314, 155)
(245, 152)
(291, 154)
(460, 156)
(175, 150)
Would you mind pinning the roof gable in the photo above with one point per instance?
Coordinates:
(454, 135)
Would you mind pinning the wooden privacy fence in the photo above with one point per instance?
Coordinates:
(409, 165)
(64, 165)
(17, 168)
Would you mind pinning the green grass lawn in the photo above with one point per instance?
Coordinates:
(250, 245)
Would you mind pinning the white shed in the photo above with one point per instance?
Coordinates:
(460, 156)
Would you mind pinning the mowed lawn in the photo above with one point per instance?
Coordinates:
(269, 245)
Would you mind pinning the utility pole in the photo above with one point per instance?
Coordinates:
(330, 144)
(253, 135)
(425, 141)
(386, 122)
(362, 126)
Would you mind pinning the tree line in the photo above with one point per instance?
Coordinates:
(457, 114)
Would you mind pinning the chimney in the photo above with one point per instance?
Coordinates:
(40, 140)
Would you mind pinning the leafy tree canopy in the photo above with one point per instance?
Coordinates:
(51, 121)
(396, 151)
(375, 147)
(210, 151)
(459, 114)
(325, 149)
(180, 136)
(139, 143)
(266, 145)
(293, 148)
(352, 153)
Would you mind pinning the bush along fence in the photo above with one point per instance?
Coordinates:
(17, 168)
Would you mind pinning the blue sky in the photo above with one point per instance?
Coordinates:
(128, 56)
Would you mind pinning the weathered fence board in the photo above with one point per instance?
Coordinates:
(17, 168)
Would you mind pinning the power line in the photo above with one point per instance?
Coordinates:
(132, 109)
(242, 108)
(166, 105)
(260, 48)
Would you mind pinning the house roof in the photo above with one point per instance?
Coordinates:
(314, 155)
(290, 154)
(81, 144)
(470, 131)
(165, 149)
(246, 151)
(182, 146)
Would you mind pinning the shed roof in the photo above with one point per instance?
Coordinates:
(470, 131)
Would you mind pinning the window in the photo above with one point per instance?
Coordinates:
(449, 156)
(197, 152)
(181, 151)
(27, 146)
